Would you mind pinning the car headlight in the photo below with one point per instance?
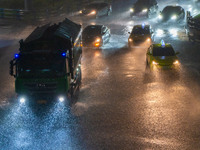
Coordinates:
(160, 17)
(145, 10)
(148, 39)
(131, 10)
(155, 63)
(176, 62)
(80, 12)
(98, 40)
(97, 44)
(93, 12)
(130, 39)
(174, 17)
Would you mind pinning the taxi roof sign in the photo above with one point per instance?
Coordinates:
(162, 43)
(143, 25)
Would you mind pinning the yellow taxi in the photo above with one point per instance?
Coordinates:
(162, 56)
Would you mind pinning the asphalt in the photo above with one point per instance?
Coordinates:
(120, 105)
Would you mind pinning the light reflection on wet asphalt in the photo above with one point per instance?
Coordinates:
(121, 105)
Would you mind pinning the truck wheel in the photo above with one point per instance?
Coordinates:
(79, 80)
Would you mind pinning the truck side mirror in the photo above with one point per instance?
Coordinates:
(11, 68)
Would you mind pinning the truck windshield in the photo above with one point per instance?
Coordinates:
(41, 65)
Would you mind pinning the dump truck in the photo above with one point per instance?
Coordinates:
(193, 27)
(48, 65)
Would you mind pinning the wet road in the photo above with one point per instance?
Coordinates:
(120, 104)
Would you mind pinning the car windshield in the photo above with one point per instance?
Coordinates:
(163, 51)
(41, 65)
(95, 5)
(139, 30)
(92, 31)
(142, 2)
(171, 9)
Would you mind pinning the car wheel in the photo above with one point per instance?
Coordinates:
(147, 66)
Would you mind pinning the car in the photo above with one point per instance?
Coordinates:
(196, 3)
(162, 56)
(139, 34)
(96, 10)
(144, 8)
(172, 14)
(95, 36)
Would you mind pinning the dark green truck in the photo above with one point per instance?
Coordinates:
(48, 65)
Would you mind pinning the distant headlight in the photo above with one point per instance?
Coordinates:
(80, 12)
(144, 10)
(176, 62)
(131, 10)
(93, 12)
(174, 17)
(130, 39)
(160, 17)
(155, 63)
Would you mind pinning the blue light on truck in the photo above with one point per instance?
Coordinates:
(16, 56)
(63, 54)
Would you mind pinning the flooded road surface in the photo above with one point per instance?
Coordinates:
(120, 105)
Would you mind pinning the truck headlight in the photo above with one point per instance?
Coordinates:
(131, 10)
(61, 99)
(145, 10)
(22, 100)
(174, 17)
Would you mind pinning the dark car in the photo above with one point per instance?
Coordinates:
(96, 10)
(95, 36)
(197, 3)
(139, 34)
(172, 14)
(144, 8)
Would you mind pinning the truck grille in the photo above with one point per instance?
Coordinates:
(41, 87)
